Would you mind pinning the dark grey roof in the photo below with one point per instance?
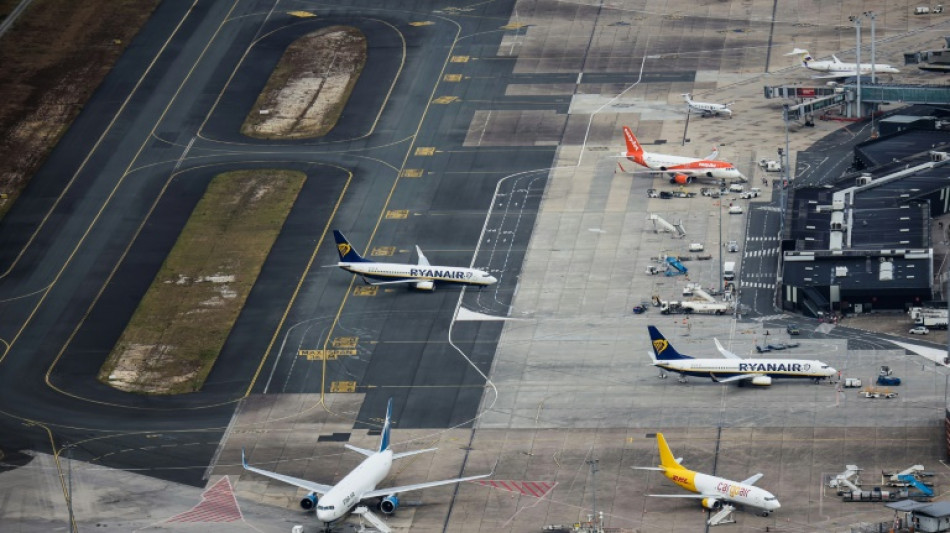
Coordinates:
(935, 510)
(906, 505)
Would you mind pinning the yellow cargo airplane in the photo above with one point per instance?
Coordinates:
(712, 490)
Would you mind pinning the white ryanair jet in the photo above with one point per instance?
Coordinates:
(713, 491)
(333, 502)
(837, 69)
(682, 170)
(707, 109)
(733, 368)
(422, 276)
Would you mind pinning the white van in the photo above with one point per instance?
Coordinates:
(729, 270)
(696, 247)
(735, 209)
(736, 187)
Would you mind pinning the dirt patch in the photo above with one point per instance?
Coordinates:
(51, 61)
(183, 320)
(306, 93)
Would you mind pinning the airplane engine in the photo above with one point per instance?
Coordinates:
(425, 285)
(681, 179)
(762, 381)
(712, 504)
(389, 504)
(309, 502)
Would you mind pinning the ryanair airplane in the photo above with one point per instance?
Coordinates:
(422, 276)
(733, 368)
(714, 492)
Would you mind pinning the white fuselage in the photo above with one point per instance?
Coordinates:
(849, 69)
(723, 368)
(732, 491)
(346, 494)
(707, 108)
(691, 166)
(403, 271)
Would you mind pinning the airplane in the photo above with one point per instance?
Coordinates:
(712, 490)
(707, 109)
(836, 69)
(422, 276)
(682, 170)
(733, 368)
(333, 502)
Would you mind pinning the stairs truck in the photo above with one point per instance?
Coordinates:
(674, 267)
(688, 307)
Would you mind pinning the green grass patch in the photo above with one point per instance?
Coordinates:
(182, 322)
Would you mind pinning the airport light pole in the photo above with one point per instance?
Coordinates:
(857, 29)
(873, 16)
(593, 482)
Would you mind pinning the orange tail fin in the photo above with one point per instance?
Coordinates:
(634, 150)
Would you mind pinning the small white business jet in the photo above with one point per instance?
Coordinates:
(837, 69)
(707, 109)
(713, 491)
(733, 368)
(422, 276)
(682, 170)
(333, 502)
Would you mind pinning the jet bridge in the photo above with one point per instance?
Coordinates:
(872, 94)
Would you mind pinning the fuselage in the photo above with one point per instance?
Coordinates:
(849, 68)
(703, 107)
(723, 489)
(403, 271)
(346, 494)
(724, 368)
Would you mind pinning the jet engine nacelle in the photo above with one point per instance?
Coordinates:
(762, 381)
(681, 179)
(389, 504)
(712, 504)
(309, 502)
(425, 285)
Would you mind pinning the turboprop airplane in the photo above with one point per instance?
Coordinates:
(713, 491)
(733, 368)
(682, 170)
(707, 109)
(333, 502)
(836, 69)
(422, 276)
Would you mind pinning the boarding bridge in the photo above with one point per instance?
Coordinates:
(872, 94)
(677, 228)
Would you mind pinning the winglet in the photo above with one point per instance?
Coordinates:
(423, 260)
(724, 352)
(243, 460)
(384, 436)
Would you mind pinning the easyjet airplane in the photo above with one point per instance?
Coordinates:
(712, 491)
(681, 169)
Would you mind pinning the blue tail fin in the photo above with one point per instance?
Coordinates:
(346, 251)
(662, 349)
(384, 438)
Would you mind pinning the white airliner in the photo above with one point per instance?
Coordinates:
(333, 502)
(707, 109)
(733, 368)
(682, 170)
(836, 69)
(712, 490)
(422, 276)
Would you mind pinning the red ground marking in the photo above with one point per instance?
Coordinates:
(536, 489)
(217, 505)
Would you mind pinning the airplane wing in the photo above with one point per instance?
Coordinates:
(713, 155)
(847, 74)
(751, 480)
(418, 486)
(733, 378)
(695, 496)
(319, 488)
(422, 258)
(726, 353)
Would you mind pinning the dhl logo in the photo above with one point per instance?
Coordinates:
(344, 248)
(659, 345)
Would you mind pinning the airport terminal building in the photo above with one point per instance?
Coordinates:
(865, 240)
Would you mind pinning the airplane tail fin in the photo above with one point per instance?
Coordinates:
(384, 436)
(662, 349)
(666, 456)
(634, 150)
(346, 251)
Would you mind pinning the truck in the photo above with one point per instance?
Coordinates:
(729, 270)
(770, 165)
(687, 307)
(933, 321)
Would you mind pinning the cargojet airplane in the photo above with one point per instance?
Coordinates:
(422, 276)
(713, 491)
(333, 502)
(836, 69)
(733, 368)
(682, 170)
(707, 109)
